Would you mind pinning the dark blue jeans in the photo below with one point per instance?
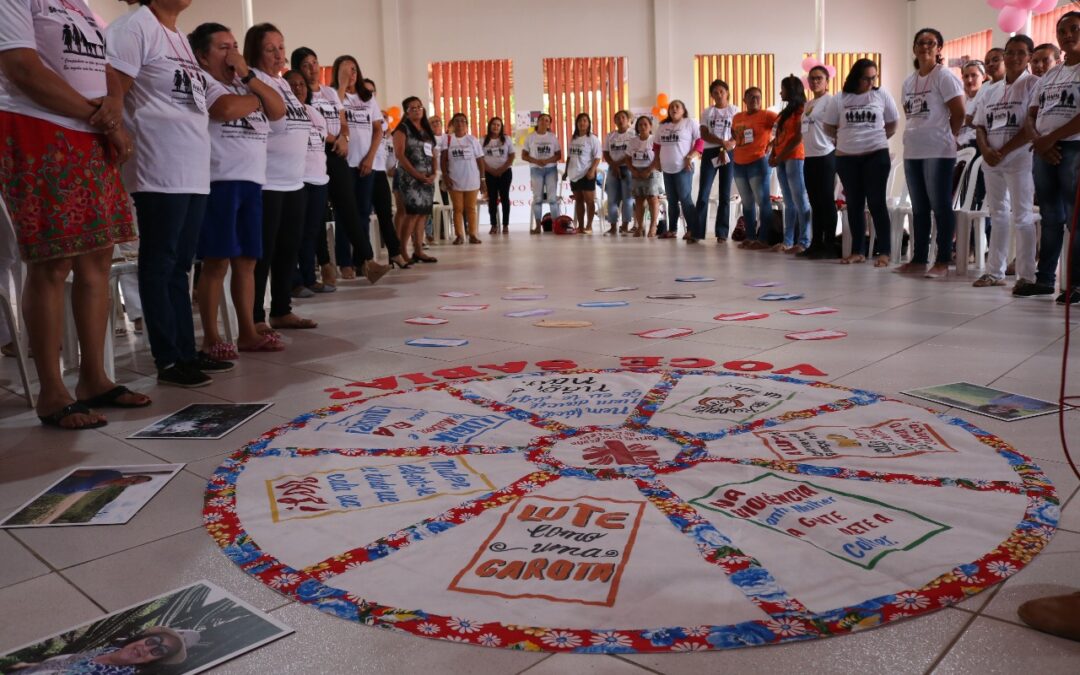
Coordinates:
(865, 179)
(169, 226)
(1055, 186)
(753, 182)
(929, 184)
(679, 188)
(314, 241)
(706, 177)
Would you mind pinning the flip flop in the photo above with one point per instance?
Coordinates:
(77, 408)
(111, 399)
(299, 324)
(267, 344)
(222, 351)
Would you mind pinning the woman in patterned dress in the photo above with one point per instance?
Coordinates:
(414, 145)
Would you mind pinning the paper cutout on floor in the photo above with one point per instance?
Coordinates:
(781, 296)
(534, 296)
(812, 310)
(600, 304)
(463, 308)
(672, 296)
(616, 289)
(427, 320)
(820, 334)
(202, 421)
(741, 316)
(457, 294)
(526, 313)
(437, 342)
(694, 280)
(664, 333)
(996, 403)
(562, 323)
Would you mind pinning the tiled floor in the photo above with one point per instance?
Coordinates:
(903, 333)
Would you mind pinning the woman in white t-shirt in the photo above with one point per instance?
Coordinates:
(617, 184)
(583, 157)
(168, 96)
(973, 75)
(680, 146)
(934, 108)
(716, 159)
(325, 100)
(62, 125)
(862, 118)
(232, 227)
(645, 181)
(543, 151)
(382, 199)
(1054, 125)
(284, 199)
(498, 158)
(819, 167)
(463, 158)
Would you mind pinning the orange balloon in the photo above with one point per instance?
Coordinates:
(663, 113)
(662, 100)
(395, 111)
(656, 111)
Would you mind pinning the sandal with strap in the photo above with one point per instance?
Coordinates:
(56, 419)
(223, 351)
(269, 343)
(111, 399)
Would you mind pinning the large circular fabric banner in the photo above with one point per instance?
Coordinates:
(627, 511)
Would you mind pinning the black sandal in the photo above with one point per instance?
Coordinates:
(76, 408)
(111, 399)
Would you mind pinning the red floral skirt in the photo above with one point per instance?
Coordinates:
(63, 194)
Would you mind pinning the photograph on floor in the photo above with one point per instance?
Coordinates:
(94, 495)
(202, 421)
(185, 631)
(1000, 405)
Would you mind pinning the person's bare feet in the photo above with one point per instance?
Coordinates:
(937, 271)
(291, 321)
(1057, 615)
(853, 259)
(881, 261)
(49, 408)
(911, 268)
(263, 328)
(129, 399)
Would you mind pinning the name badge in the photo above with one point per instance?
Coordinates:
(747, 136)
(198, 93)
(427, 149)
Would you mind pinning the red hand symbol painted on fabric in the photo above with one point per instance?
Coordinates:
(617, 452)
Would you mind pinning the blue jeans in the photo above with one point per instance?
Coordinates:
(706, 176)
(545, 188)
(618, 194)
(1055, 186)
(679, 188)
(168, 235)
(796, 203)
(930, 187)
(753, 182)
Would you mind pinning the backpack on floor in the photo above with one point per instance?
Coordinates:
(775, 233)
(563, 225)
(546, 222)
(739, 233)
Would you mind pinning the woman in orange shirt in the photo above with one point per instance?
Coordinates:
(787, 156)
(752, 132)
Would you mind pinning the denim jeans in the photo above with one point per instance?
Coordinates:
(545, 188)
(617, 187)
(706, 177)
(753, 182)
(796, 203)
(930, 187)
(168, 234)
(679, 188)
(1055, 187)
(865, 179)
(819, 174)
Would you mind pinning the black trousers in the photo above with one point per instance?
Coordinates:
(819, 173)
(283, 230)
(498, 189)
(342, 189)
(382, 200)
(866, 179)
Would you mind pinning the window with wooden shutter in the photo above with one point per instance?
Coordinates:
(959, 51)
(740, 71)
(478, 89)
(593, 85)
(843, 61)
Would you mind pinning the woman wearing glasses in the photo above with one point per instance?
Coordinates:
(414, 146)
(934, 109)
(819, 169)
(862, 118)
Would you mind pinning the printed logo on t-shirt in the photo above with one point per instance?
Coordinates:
(669, 136)
(255, 126)
(1057, 99)
(860, 117)
(188, 84)
(76, 41)
(460, 152)
(617, 146)
(720, 126)
(577, 150)
(495, 151)
(358, 117)
(543, 150)
(916, 104)
(1000, 117)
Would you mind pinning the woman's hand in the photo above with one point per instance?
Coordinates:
(365, 167)
(121, 146)
(428, 179)
(235, 61)
(1042, 145)
(992, 157)
(109, 115)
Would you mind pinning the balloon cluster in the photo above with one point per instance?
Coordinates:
(1014, 13)
(811, 62)
(659, 110)
(392, 115)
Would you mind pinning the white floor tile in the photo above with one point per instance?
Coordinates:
(993, 647)
(40, 607)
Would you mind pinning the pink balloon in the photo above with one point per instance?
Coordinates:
(809, 62)
(831, 70)
(1027, 4)
(1012, 19)
(1045, 6)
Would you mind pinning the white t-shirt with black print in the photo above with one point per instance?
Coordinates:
(615, 143)
(1002, 109)
(288, 144)
(238, 148)
(69, 42)
(1057, 98)
(718, 122)
(582, 152)
(927, 131)
(315, 158)
(165, 107)
(496, 152)
(860, 121)
(816, 143)
(360, 115)
(462, 153)
(676, 140)
(642, 152)
(542, 145)
(328, 104)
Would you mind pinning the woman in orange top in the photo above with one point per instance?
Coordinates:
(752, 132)
(787, 156)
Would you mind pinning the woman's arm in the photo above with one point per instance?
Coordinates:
(890, 129)
(956, 114)
(506, 166)
(376, 139)
(24, 69)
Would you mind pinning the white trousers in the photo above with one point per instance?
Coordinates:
(1010, 199)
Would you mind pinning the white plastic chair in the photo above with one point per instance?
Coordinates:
(9, 248)
(442, 215)
(968, 219)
